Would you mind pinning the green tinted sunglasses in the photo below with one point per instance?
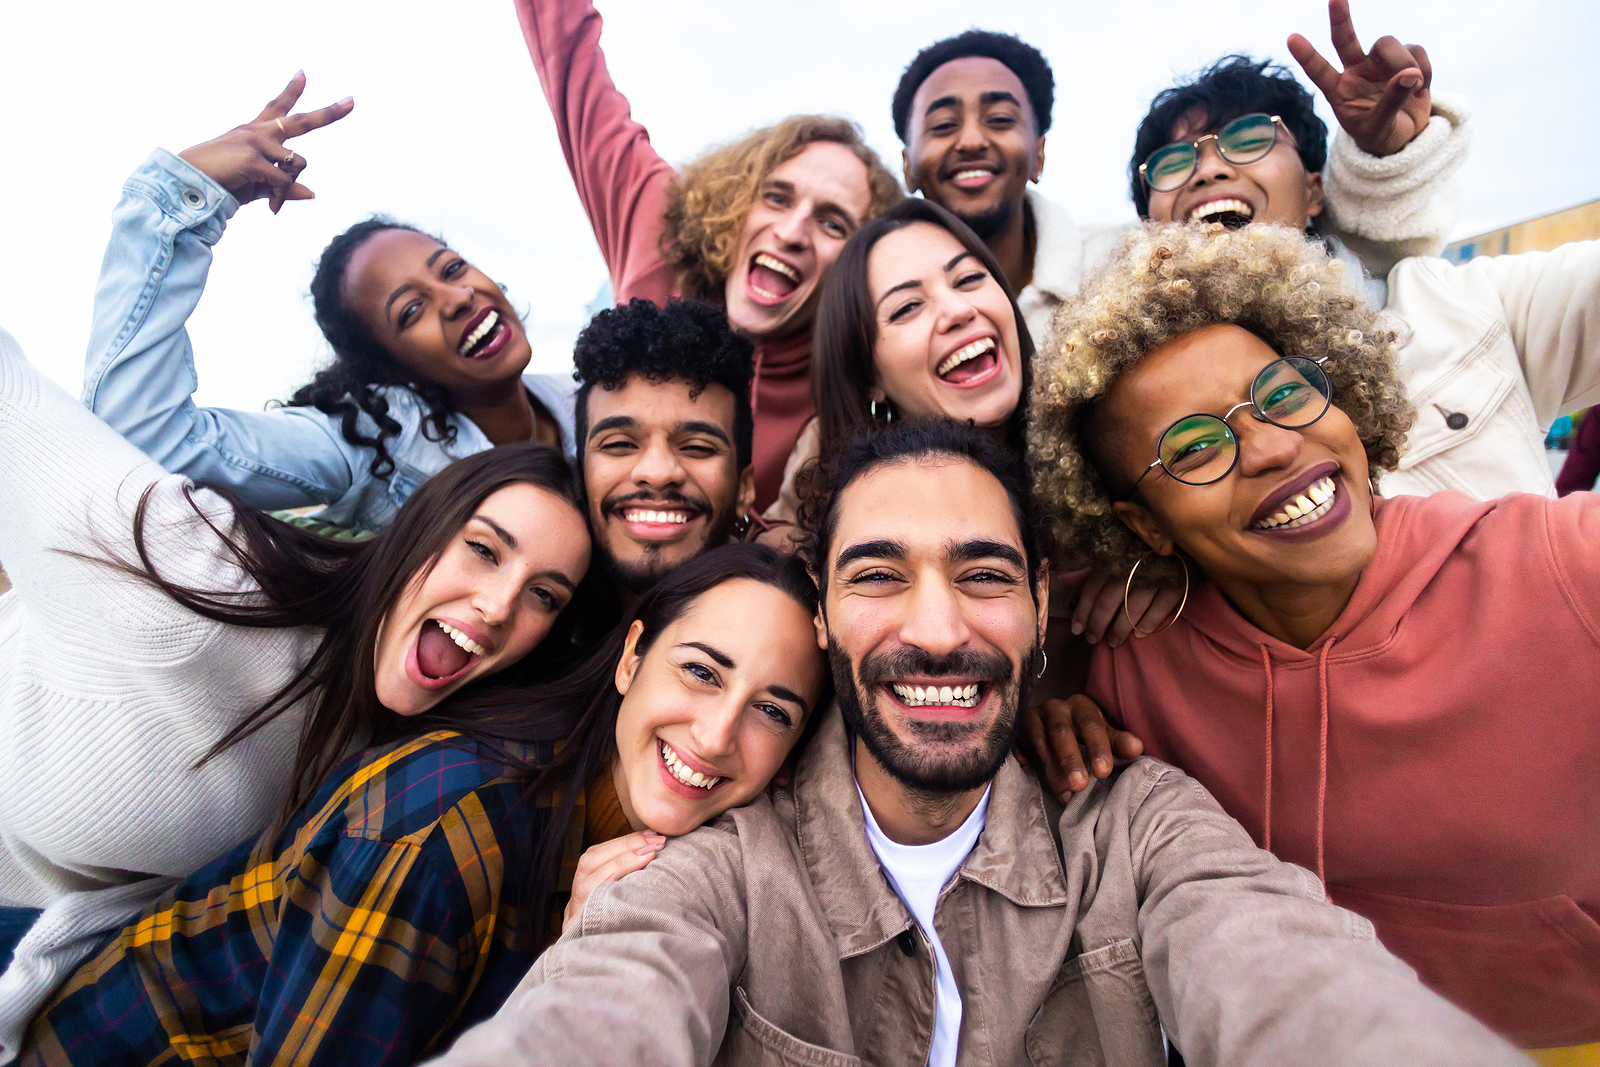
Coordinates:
(1244, 140)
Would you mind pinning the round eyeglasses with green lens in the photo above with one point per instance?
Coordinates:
(1292, 392)
(1244, 140)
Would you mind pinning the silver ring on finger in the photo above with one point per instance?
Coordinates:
(287, 162)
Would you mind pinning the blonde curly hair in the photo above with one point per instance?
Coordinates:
(1168, 281)
(710, 199)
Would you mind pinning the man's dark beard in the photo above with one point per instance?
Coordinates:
(635, 578)
(925, 772)
(989, 224)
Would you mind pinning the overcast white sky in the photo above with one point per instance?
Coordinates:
(451, 131)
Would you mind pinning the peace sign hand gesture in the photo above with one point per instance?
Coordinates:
(252, 161)
(1381, 98)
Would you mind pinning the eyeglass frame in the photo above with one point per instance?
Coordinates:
(1277, 124)
(1256, 413)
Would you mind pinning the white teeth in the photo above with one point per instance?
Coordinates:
(1219, 207)
(1309, 506)
(676, 518)
(480, 333)
(959, 696)
(462, 639)
(964, 353)
(962, 175)
(764, 260)
(681, 771)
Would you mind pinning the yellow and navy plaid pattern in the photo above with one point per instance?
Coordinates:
(387, 917)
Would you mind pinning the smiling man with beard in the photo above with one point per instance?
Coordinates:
(917, 899)
(663, 427)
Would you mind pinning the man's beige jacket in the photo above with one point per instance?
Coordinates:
(773, 937)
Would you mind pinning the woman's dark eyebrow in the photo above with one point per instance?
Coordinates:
(721, 657)
(893, 289)
(500, 531)
(915, 283)
(783, 692)
(442, 249)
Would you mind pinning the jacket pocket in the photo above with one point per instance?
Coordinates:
(1098, 1011)
(1476, 431)
(752, 1039)
(1529, 970)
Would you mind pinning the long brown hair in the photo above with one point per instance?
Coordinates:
(580, 709)
(846, 338)
(709, 201)
(346, 590)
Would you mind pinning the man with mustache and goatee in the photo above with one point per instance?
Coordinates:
(916, 897)
(663, 427)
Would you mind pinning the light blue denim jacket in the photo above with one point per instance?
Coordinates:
(139, 373)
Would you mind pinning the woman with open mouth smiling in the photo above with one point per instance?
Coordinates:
(176, 666)
(915, 322)
(428, 353)
(409, 897)
(1352, 674)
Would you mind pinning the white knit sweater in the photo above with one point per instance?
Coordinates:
(110, 691)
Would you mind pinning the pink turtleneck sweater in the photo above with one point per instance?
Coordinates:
(1435, 756)
(623, 185)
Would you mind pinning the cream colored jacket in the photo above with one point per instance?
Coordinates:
(1492, 351)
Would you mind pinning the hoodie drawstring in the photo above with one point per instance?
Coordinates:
(1322, 756)
(1266, 795)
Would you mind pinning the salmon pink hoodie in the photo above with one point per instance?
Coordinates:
(1434, 757)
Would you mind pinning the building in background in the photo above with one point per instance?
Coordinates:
(1578, 223)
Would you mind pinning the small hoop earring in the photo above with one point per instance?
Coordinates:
(888, 412)
(1044, 661)
(1128, 588)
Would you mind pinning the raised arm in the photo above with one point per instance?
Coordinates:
(620, 179)
(1249, 965)
(139, 373)
(1390, 176)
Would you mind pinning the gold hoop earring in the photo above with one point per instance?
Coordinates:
(1128, 588)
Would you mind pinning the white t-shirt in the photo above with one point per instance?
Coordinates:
(918, 873)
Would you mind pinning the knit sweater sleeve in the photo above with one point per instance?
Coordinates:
(620, 179)
(68, 492)
(1386, 208)
(111, 692)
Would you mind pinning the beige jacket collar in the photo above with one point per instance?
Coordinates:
(1015, 855)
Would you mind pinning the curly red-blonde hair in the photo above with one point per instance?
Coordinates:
(710, 199)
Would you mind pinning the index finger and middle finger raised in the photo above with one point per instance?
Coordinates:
(306, 121)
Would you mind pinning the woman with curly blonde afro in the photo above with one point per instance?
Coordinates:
(1347, 670)
(754, 224)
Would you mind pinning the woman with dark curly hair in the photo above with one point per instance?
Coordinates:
(428, 352)
(1216, 409)
(754, 224)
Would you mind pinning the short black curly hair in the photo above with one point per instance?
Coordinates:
(686, 341)
(1232, 86)
(1024, 60)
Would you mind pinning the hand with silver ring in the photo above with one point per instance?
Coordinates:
(249, 161)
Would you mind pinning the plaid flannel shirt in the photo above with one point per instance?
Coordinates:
(386, 918)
